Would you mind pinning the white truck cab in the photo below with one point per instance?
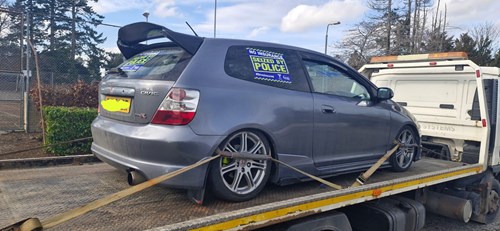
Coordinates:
(440, 90)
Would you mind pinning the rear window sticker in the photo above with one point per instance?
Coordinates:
(138, 61)
(269, 66)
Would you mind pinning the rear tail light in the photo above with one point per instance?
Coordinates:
(178, 107)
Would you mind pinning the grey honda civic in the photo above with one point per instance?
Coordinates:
(174, 102)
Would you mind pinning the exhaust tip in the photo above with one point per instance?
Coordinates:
(134, 178)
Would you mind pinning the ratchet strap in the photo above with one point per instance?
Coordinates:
(243, 155)
(35, 224)
(363, 177)
(32, 224)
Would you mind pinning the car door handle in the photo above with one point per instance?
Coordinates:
(327, 109)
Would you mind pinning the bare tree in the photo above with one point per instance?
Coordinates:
(396, 28)
(383, 16)
(5, 21)
(359, 44)
(486, 30)
(485, 37)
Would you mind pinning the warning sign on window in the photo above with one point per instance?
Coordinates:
(269, 66)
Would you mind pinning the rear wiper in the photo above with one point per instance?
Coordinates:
(117, 70)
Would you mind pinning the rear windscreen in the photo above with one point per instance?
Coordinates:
(157, 64)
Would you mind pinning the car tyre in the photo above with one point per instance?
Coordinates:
(235, 179)
(402, 159)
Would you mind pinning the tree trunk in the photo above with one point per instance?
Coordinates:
(434, 25)
(424, 25)
(52, 25)
(388, 27)
(30, 18)
(416, 21)
(73, 30)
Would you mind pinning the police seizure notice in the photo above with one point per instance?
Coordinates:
(269, 66)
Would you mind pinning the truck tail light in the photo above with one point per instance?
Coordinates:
(178, 107)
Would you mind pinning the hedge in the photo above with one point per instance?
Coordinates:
(79, 94)
(65, 124)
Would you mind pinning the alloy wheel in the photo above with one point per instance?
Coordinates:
(404, 155)
(243, 176)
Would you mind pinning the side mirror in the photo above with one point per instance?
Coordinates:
(384, 93)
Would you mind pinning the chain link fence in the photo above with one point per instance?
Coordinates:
(62, 84)
(58, 75)
(12, 85)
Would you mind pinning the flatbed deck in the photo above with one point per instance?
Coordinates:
(45, 192)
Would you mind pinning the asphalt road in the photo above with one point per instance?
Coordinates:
(438, 223)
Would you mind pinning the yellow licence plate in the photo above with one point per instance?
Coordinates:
(116, 104)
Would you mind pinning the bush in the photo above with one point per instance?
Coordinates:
(65, 124)
(79, 94)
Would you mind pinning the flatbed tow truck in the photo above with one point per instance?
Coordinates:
(465, 190)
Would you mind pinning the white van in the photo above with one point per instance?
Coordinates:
(440, 90)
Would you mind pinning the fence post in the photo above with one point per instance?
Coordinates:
(28, 74)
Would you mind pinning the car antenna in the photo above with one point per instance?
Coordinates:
(192, 29)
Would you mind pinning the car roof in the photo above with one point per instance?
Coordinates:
(231, 42)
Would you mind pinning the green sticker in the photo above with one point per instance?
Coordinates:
(138, 61)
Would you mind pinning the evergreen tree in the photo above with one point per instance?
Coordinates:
(496, 60)
(485, 34)
(83, 37)
(466, 44)
(396, 28)
(384, 16)
(484, 51)
(438, 42)
(56, 10)
(64, 32)
(113, 60)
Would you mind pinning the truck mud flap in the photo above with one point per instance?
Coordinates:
(387, 214)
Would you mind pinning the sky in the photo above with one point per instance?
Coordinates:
(294, 22)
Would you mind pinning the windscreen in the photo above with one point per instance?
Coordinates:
(156, 64)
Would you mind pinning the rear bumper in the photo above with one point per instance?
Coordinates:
(153, 150)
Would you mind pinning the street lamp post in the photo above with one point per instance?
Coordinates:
(326, 35)
(215, 18)
(146, 14)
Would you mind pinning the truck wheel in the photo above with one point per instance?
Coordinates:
(493, 202)
(403, 158)
(241, 179)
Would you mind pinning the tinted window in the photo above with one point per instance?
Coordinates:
(158, 64)
(270, 66)
(329, 80)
